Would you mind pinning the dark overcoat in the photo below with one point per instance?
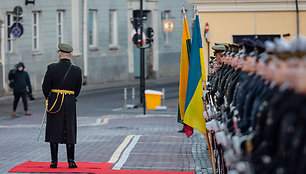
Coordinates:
(62, 125)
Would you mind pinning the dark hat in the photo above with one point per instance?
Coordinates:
(234, 49)
(260, 46)
(227, 48)
(249, 46)
(259, 49)
(65, 48)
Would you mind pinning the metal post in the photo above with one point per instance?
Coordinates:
(142, 55)
(124, 98)
(133, 96)
(163, 97)
(297, 19)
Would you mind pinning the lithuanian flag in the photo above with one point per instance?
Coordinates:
(185, 54)
(194, 106)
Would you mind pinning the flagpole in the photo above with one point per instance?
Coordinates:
(184, 12)
(142, 68)
(208, 135)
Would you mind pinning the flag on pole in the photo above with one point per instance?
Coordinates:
(194, 106)
(184, 67)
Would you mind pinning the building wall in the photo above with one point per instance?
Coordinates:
(35, 61)
(170, 53)
(106, 64)
(249, 17)
(223, 25)
(103, 64)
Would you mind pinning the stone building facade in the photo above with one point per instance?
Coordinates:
(100, 33)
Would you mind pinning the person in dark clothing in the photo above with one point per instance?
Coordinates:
(20, 80)
(61, 85)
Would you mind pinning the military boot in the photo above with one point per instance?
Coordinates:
(70, 155)
(54, 150)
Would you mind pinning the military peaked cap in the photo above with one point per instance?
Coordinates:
(65, 48)
(218, 48)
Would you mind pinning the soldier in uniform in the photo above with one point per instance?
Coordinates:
(61, 85)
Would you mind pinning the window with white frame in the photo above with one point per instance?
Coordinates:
(92, 28)
(10, 46)
(113, 29)
(35, 30)
(60, 27)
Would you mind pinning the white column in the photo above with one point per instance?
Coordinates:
(155, 37)
(75, 27)
(130, 44)
(85, 57)
(5, 86)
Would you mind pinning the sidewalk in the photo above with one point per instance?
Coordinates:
(160, 147)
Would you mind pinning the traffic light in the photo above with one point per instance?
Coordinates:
(17, 19)
(136, 23)
(150, 34)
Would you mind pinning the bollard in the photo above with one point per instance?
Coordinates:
(163, 106)
(124, 98)
(163, 97)
(133, 96)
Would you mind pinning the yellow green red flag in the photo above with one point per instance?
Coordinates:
(184, 67)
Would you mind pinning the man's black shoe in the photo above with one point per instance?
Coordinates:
(72, 164)
(53, 164)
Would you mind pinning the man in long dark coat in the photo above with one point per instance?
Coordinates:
(61, 85)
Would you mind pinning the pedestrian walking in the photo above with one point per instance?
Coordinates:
(20, 82)
(61, 85)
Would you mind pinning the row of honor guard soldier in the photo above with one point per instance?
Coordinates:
(61, 85)
(258, 94)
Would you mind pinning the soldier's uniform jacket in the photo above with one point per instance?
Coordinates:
(61, 115)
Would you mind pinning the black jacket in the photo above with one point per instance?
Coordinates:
(61, 126)
(20, 80)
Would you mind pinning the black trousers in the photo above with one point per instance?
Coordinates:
(17, 96)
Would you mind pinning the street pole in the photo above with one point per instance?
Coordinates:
(297, 19)
(142, 55)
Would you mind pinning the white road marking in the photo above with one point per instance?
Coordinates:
(105, 121)
(126, 153)
(119, 150)
(117, 109)
(98, 121)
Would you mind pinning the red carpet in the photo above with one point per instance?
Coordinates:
(83, 167)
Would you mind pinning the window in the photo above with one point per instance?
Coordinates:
(113, 29)
(9, 35)
(35, 28)
(262, 37)
(60, 27)
(92, 28)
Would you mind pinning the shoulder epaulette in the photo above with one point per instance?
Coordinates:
(51, 63)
